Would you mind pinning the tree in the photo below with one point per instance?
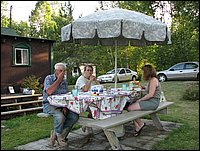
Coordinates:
(145, 7)
(4, 20)
(107, 4)
(22, 28)
(184, 30)
(41, 24)
(64, 17)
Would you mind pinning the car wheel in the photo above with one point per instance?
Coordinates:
(113, 80)
(162, 77)
(133, 78)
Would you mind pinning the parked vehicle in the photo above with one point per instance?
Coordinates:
(180, 71)
(123, 74)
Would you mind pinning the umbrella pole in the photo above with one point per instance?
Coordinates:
(115, 64)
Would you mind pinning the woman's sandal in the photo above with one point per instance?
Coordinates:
(136, 133)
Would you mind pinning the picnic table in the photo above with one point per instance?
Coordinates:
(107, 111)
(102, 106)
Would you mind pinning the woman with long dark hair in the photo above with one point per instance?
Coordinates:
(151, 100)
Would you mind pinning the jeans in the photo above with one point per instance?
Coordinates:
(60, 120)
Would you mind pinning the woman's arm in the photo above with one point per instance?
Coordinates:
(87, 86)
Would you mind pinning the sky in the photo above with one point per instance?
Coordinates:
(21, 10)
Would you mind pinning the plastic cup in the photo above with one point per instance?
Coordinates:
(32, 92)
(123, 87)
(74, 92)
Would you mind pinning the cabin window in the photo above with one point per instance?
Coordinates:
(21, 56)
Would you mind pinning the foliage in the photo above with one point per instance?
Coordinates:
(139, 6)
(22, 28)
(40, 21)
(187, 11)
(4, 20)
(46, 22)
(72, 80)
(192, 92)
(31, 82)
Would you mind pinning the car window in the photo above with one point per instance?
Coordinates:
(178, 67)
(190, 66)
(122, 71)
(112, 71)
(128, 71)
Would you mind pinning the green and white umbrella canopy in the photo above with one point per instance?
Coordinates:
(116, 27)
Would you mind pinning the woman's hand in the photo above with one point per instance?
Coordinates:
(92, 78)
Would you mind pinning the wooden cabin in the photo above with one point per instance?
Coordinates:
(22, 57)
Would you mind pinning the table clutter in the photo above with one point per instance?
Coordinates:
(102, 103)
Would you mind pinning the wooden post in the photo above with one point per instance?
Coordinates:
(113, 140)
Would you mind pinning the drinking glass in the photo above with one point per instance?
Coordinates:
(74, 92)
(123, 87)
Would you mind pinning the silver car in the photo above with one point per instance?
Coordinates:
(180, 71)
(123, 74)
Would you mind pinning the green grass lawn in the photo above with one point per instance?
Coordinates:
(25, 129)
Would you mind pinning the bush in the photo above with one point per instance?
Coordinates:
(31, 82)
(72, 80)
(192, 93)
(139, 77)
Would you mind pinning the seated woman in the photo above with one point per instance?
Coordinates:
(151, 100)
(85, 81)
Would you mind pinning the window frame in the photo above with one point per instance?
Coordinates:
(189, 66)
(22, 47)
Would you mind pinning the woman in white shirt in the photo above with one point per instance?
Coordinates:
(85, 81)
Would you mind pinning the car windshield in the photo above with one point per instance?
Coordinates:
(112, 71)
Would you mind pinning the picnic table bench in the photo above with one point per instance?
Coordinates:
(112, 125)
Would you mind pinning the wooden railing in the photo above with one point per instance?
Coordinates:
(18, 104)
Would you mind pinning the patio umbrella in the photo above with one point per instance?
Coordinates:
(116, 27)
